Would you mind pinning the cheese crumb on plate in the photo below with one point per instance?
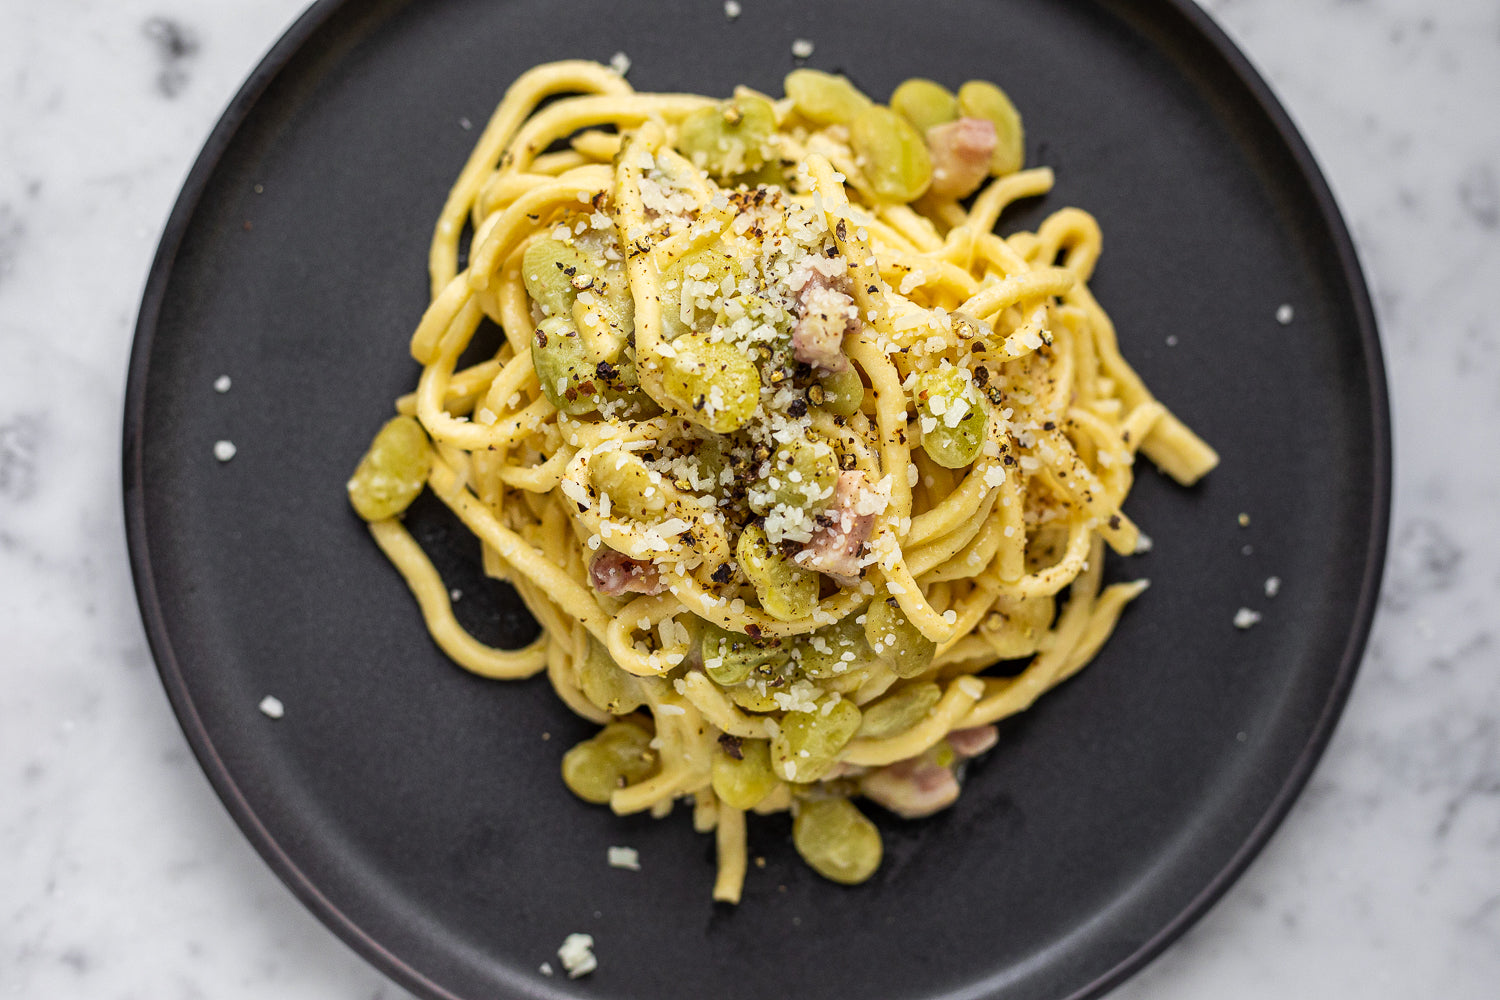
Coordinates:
(577, 955)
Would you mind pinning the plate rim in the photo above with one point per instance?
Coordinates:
(149, 599)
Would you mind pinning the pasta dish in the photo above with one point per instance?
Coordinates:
(784, 446)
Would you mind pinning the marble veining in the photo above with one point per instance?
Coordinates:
(175, 45)
(121, 875)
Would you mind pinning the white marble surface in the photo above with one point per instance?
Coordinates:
(121, 875)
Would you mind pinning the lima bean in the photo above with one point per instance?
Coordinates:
(898, 712)
(609, 688)
(924, 104)
(547, 268)
(823, 98)
(628, 482)
(555, 273)
(699, 275)
(896, 640)
(729, 658)
(952, 415)
(729, 138)
(837, 840)
(834, 649)
(751, 698)
(803, 474)
(710, 382)
(892, 154)
(841, 393)
(567, 376)
(392, 472)
(787, 592)
(619, 755)
(808, 743)
(744, 781)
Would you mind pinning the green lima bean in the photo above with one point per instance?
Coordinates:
(892, 154)
(743, 781)
(394, 470)
(952, 414)
(896, 640)
(619, 755)
(807, 744)
(787, 592)
(837, 840)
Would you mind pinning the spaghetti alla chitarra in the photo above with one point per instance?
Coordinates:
(784, 446)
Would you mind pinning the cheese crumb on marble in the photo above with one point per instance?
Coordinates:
(271, 707)
(224, 450)
(222, 384)
(1245, 617)
(732, 9)
(625, 857)
(802, 48)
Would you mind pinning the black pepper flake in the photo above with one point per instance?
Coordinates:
(1114, 522)
(1049, 426)
(752, 630)
(606, 371)
(981, 376)
(842, 231)
(797, 407)
(1009, 459)
(732, 746)
(722, 574)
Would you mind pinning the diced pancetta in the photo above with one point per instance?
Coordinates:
(973, 742)
(614, 573)
(843, 529)
(912, 788)
(961, 153)
(825, 313)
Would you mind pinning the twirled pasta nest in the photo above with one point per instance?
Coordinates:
(784, 446)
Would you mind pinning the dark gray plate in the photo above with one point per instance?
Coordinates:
(417, 810)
